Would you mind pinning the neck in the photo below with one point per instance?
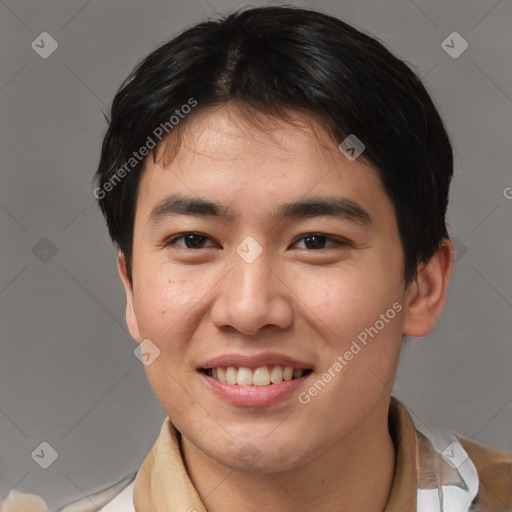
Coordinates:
(338, 479)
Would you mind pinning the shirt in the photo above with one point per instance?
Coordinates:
(434, 472)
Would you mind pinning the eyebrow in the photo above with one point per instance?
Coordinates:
(331, 206)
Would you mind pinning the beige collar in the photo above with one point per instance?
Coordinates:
(163, 484)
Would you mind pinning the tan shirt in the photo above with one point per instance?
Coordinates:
(494, 468)
(163, 485)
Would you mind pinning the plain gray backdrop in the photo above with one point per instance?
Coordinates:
(68, 375)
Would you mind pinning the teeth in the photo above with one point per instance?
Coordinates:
(288, 373)
(262, 376)
(276, 375)
(231, 374)
(221, 374)
(244, 377)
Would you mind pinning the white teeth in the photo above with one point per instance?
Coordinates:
(288, 373)
(231, 373)
(262, 376)
(221, 374)
(276, 375)
(244, 376)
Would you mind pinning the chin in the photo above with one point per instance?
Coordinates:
(258, 456)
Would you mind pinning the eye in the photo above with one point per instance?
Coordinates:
(316, 241)
(194, 240)
(191, 240)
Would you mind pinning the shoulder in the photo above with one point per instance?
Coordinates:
(494, 470)
(123, 502)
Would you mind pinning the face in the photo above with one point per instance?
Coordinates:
(297, 263)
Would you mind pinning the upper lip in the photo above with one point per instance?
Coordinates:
(254, 361)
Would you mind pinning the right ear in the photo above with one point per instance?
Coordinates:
(130, 316)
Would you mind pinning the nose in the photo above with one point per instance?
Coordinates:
(252, 296)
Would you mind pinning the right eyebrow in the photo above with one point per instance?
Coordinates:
(182, 205)
(331, 206)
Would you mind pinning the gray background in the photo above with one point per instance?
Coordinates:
(68, 375)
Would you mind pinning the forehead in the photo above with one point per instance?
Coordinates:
(225, 154)
(234, 131)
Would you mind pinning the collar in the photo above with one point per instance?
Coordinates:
(163, 483)
(402, 496)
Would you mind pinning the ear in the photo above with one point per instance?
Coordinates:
(426, 296)
(131, 318)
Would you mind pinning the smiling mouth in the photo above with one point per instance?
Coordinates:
(261, 376)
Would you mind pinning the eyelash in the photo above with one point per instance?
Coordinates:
(171, 241)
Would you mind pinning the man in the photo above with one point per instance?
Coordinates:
(276, 183)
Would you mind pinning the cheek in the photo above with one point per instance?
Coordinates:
(163, 300)
(341, 304)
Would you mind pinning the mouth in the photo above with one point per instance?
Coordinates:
(260, 376)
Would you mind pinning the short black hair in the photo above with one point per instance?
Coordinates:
(277, 60)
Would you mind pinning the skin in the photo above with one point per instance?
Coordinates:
(307, 303)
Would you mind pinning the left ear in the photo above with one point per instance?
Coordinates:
(426, 296)
(130, 316)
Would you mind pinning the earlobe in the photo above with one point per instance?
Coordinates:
(130, 316)
(426, 296)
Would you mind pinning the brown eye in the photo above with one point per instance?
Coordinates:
(316, 241)
(191, 240)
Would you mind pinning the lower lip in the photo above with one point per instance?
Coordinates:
(253, 396)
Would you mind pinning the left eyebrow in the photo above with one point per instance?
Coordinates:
(337, 207)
